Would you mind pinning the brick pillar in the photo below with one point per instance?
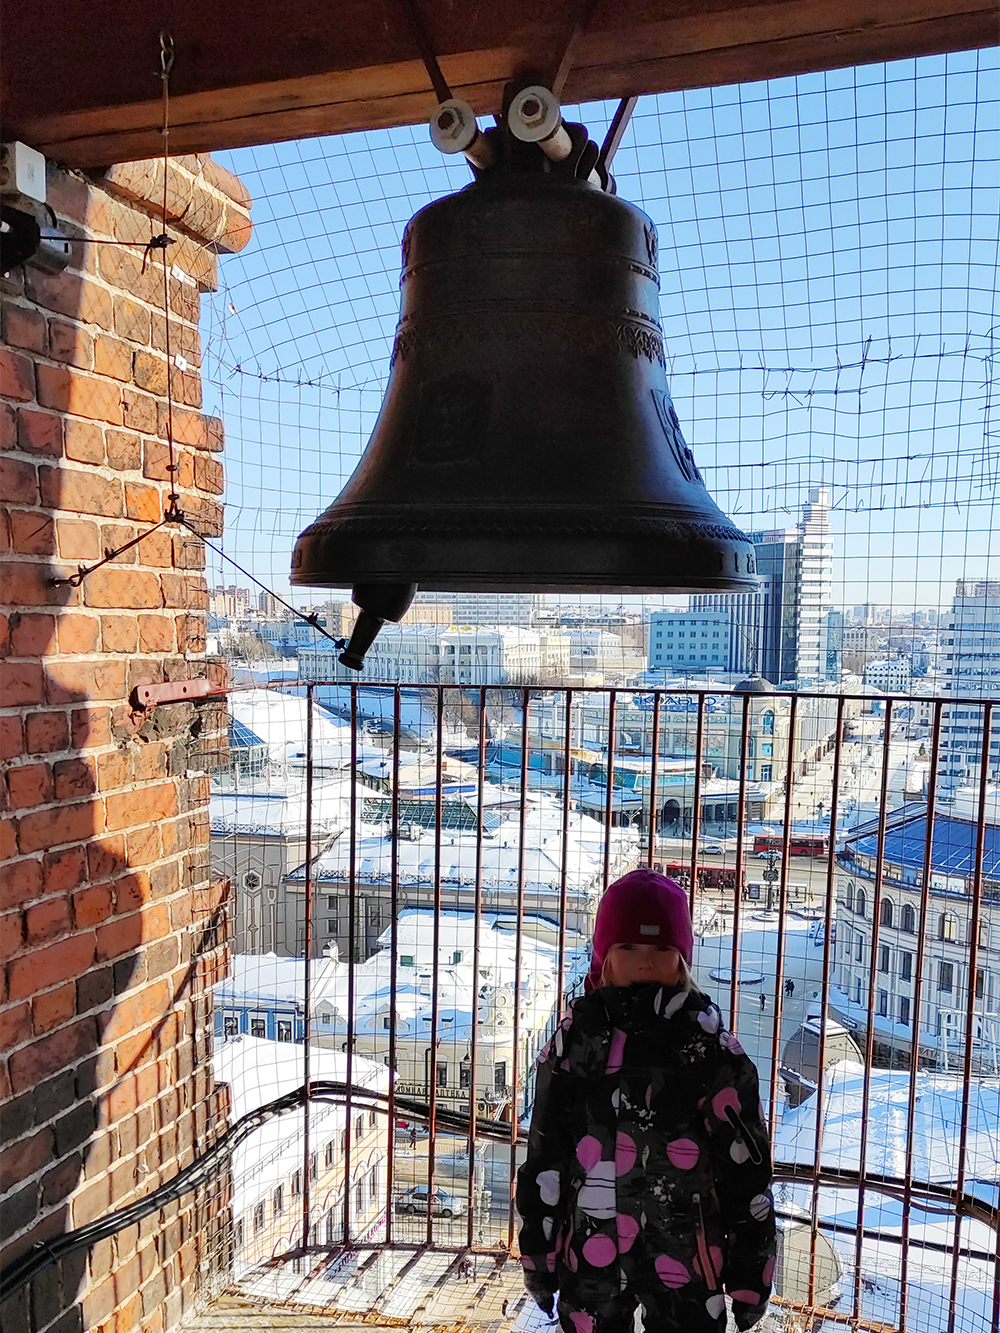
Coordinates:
(109, 946)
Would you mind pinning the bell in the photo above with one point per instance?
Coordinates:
(527, 440)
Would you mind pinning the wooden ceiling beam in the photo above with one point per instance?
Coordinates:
(82, 84)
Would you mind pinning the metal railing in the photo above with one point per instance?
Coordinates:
(394, 978)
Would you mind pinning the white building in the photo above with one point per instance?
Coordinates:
(485, 608)
(596, 653)
(970, 662)
(406, 654)
(890, 675)
(471, 654)
(690, 641)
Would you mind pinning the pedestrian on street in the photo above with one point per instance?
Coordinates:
(763, 1002)
(789, 987)
(647, 1180)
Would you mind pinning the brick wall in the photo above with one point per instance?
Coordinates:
(109, 944)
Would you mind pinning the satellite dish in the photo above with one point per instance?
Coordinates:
(798, 1249)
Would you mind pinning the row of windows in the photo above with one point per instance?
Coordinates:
(259, 1215)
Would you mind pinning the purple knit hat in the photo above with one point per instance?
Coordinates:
(641, 908)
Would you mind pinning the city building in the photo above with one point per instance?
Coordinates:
(890, 915)
(472, 654)
(891, 675)
(785, 631)
(695, 642)
(484, 608)
(970, 666)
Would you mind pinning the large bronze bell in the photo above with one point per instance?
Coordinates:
(527, 440)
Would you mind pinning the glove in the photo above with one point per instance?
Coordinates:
(542, 1289)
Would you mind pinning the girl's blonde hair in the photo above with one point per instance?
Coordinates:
(683, 967)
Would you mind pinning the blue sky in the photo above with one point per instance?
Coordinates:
(828, 254)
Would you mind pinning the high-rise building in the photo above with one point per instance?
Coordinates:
(690, 641)
(786, 630)
(485, 608)
(970, 660)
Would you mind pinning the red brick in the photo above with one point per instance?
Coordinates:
(209, 475)
(78, 634)
(84, 443)
(53, 1008)
(124, 450)
(83, 492)
(31, 636)
(131, 320)
(143, 502)
(12, 743)
(156, 464)
(21, 881)
(59, 825)
(216, 434)
(78, 539)
(31, 533)
(106, 857)
(112, 357)
(25, 1158)
(39, 432)
(64, 870)
(119, 634)
(33, 1064)
(8, 843)
(71, 344)
(113, 587)
(23, 327)
(47, 920)
(157, 549)
(24, 584)
(15, 1023)
(118, 937)
(141, 806)
(92, 905)
(8, 426)
(143, 845)
(115, 536)
(21, 683)
(69, 390)
(74, 778)
(90, 726)
(75, 297)
(18, 481)
(138, 1009)
(71, 682)
(156, 634)
(11, 933)
(17, 376)
(139, 411)
(150, 372)
(43, 968)
(46, 732)
(30, 785)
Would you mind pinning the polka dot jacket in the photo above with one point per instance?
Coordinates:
(648, 1161)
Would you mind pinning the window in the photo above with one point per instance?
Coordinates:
(296, 1183)
(948, 926)
(904, 1011)
(860, 902)
(371, 1120)
(884, 958)
(456, 957)
(885, 912)
(326, 1019)
(328, 1152)
(908, 919)
(238, 1234)
(230, 1026)
(373, 1184)
(359, 1128)
(284, 1029)
(946, 977)
(278, 1201)
(359, 1196)
(849, 895)
(980, 983)
(883, 1003)
(859, 947)
(386, 1024)
(442, 1073)
(258, 1218)
(406, 959)
(857, 990)
(465, 1075)
(906, 966)
(258, 1027)
(500, 1076)
(765, 772)
(343, 1140)
(313, 1165)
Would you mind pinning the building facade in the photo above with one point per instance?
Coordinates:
(690, 641)
(970, 667)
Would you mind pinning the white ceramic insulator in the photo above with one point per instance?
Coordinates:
(454, 130)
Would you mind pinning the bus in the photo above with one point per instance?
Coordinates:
(709, 877)
(797, 845)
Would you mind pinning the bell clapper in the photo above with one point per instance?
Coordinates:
(454, 130)
(377, 603)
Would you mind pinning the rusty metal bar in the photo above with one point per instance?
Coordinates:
(307, 970)
(476, 949)
(699, 745)
(918, 986)
(779, 972)
(872, 964)
(352, 889)
(394, 957)
(738, 868)
(824, 987)
(653, 776)
(512, 1104)
(564, 859)
(430, 1065)
(609, 801)
(970, 1007)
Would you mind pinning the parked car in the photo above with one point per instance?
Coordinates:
(443, 1204)
(713, 848)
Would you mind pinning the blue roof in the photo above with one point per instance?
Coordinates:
(240, 735)
(953, 846)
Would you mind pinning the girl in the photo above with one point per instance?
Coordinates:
(647, 1179)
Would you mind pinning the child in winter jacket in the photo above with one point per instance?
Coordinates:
(648, 1174)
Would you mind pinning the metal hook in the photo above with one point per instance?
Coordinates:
(166, 54)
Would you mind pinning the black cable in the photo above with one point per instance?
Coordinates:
(19, 1273)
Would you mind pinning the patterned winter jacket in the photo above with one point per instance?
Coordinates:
(647, 1127)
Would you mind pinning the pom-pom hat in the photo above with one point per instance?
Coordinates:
(642, 907)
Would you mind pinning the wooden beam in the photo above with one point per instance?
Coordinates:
(81, 79)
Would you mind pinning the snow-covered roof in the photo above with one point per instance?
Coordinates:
(278, 808)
